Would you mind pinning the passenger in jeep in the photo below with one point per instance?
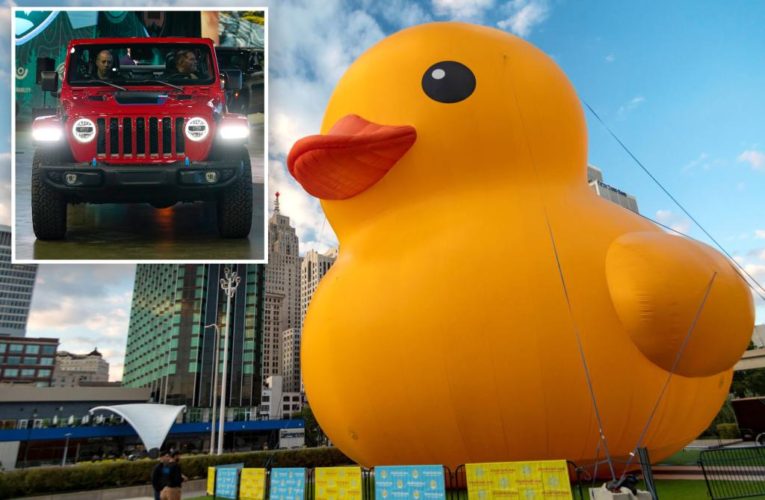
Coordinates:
(186, 64)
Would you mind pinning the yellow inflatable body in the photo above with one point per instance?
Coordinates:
(452, 167)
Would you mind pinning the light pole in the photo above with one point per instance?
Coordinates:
(66, 448)
(228, 285)
(214, 391)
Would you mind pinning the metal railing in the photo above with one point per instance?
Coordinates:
(734, 472)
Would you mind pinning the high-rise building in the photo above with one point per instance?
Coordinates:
(595, 180)
(17, 282)
(170, 348)
(282, 289)
(758, 336)
(25, 360)
(278, 402)
(312, 269)
(291, 359)
(72, 370)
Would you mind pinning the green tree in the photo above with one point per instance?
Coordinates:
(748, 383)
(314, 436)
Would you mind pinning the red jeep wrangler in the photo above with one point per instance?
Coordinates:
(141, 120)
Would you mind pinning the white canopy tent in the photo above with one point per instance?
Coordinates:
(152, 422)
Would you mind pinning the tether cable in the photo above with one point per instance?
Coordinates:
(670, 374)
(588, 378)
(581, 352)
(654, 179)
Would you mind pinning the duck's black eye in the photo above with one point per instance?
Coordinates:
(448, 82)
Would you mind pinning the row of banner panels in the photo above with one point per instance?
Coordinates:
(548, 479)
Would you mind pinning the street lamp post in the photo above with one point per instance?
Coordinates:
(66, 448)
(216, 359)
(228, 285)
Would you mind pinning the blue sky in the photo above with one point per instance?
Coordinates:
(679, 82)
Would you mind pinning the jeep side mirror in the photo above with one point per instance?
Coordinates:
(44, 64)
(49, 81)
(233, 79)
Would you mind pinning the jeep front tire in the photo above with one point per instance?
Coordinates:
(235, 203)
(48, 205)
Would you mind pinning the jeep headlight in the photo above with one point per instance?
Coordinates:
(84, 130)
(46, 133)
(197, 129)
(234, 131)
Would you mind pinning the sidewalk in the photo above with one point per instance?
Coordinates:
(191, 489)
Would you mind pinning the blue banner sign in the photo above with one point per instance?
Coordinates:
(227, 482)
(287, 483)
(412, 482)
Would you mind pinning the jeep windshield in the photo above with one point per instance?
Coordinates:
(176, 64)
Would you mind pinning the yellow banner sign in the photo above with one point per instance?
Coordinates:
(252, 485)
(211, 480)
(546, 480)
(335, 483)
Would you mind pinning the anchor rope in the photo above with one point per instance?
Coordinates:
(587, 375)
(670, 374)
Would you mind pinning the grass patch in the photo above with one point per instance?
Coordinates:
(681, 489)
(683, 457)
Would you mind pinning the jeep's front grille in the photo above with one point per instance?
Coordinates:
(143, 137)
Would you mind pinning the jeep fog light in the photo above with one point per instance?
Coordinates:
(211, 177)
(235, 131)
(197, 129)
(84, 130)
(46, 133)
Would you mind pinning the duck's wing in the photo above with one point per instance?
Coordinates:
(682, 303)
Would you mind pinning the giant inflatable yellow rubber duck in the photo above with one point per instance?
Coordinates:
(480, 283)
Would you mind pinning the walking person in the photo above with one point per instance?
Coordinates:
(175, 478)
(158, 481)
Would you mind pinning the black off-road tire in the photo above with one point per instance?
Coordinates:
(235, 204)
(48, 205)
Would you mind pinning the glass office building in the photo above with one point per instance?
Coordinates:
(169, 348)
(17, 281)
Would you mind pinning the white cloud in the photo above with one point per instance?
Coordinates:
(674, 221)
(754, 158)
(632, 105)
(399, 13)
(610, 58)
(702, 161)
(304, 69)
(85, 306)
(462, 9)
(524, 16)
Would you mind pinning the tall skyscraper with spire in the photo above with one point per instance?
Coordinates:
(282, 289)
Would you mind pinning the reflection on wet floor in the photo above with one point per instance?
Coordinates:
(186, 231)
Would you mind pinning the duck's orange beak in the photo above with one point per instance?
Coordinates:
(350, 159)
